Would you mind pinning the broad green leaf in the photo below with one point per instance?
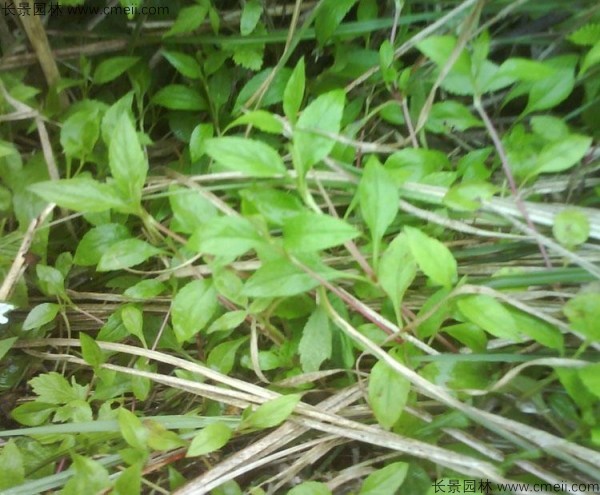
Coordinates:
(379, 200)
(276, 206)
(388, 393)
(126, 253)
(211, 438)
(315, 344)
(271, 413)
(40, 315)
(53, 388)
(188, 19)
(590, 376)
(133, 430)
(33, 413)
(583, 312)
(222, 357)
(252, 158)
(95, 241)
(439, 49)
(538, 330)
(126, 159)
(549, 92)
(526, 70)
(249, 56)
(225, 236)
(190, 209)
(330, 15)
(413, 164)
(227, 321)
(6, 345)
(108, 70)
(90, 477)
(145, 289)
(397, 270)
(313, 232)
(274, 93)
(90, 350)
(562, 155)
(571, 227)
(490, 315)
(129, 481)
(433, 258)
(160, 438)
(294, 92)
(79, 194)
(133, 321)
(200, 134)
(385, 480)
(261, 119)
(13, 470)
(310, 488)
(250, 16)
(591, 58)
(451, 115)
(179, 97)
(467, 196)
(192, 308)
(280, 278)
(588, 34)
(140, 385)
(113, 114)
(185, 64)
(549, 127)
(323, 115)
(50, 280)
(79, 133)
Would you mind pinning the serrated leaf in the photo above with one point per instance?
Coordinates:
(315, 343)
(379, 200)
(179, 97)
(126, 159)
(211, 438)
(252, 158)
(323, 115)
(491, 315)
(126, 253)
(562, 155)
(53, 388)
(249, 56)
(397, 270)
(388, 393)
(385, 480)
(192, 308)
(294, 92)
(185, 64)
(271, 413)
(40, 315)
(586, 35)
(78, 194)
(312, 232)
(95, 241)
(188, 19)
(250, 16)
(433, 258)
(330, 15)
(108, 70)
(225, 236)
(440, 48)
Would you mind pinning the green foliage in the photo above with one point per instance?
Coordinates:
(271, 413)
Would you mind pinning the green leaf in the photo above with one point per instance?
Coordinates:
(126, 253)
(315, 344)
(146, 289)
(250, 16)
(276, 206)
(433, 258)
(385, 480)
(397, 270)
(133, 321)
(222, 357)
(159, 438)
(451, 115)
(13, 470)
(379, 200)
(589, 34)
(310, 488)
(95, 241)
(313, 232)
(549, 127)
(271, 413)
(467, 196)
(330, 15)
(261, 119)
(40, 315)
(491, 315)
(126, 159)
(571, 227)
(113, 115)
(526, 70)
(185, 64)
(188, 19)
(294, 92)
(280, 278)
(50, 280)
(439, 49)
(225, 236)
(132, 429)
(6, 345)
(388, 393)
(590, 376)
(53, 388)
(190, 209)
(79, 133)
(549, 92)
(227, 321)
(108, 70)
(192, 308)
(562, 155)
(538, 330)
(179, 97)
(252, 158)
(33, 413)
(323, 115)
(129, 481)
(90, 477)
(583, 312)
(90, 350)
(591, 58)
(211, 438)
(79, 194)
(200, 134)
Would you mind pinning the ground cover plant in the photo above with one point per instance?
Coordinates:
(337, 246)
